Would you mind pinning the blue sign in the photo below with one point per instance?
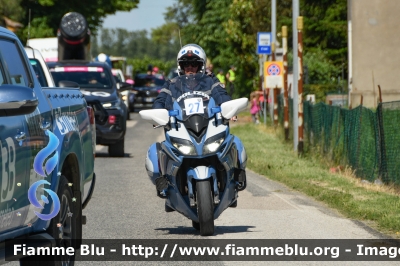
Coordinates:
(264, 40)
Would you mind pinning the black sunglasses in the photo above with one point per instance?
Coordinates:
(190, 63)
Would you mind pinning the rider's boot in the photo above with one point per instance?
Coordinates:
(161, 187)
(240, 178)
(240, 173)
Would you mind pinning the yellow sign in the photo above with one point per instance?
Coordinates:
(273, 74)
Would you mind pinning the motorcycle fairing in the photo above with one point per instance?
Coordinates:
(242, 155)
(151, 162)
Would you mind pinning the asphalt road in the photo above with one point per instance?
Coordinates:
(125, 206)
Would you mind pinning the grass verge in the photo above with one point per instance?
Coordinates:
(268, 155)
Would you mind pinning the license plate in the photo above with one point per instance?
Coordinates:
(149, 100)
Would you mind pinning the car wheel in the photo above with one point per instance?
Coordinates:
(63, 228)
(117, 149)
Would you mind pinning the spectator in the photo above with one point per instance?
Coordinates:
(230, 77)
(255, 107)
(221, 77)
(209, 69)
(261, 101)
(149, 70)
(155, 70)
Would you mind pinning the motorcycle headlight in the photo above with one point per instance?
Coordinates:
(184, 146)
(212, 144)
(112, 105)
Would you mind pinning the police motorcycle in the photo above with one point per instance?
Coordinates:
(200, 161)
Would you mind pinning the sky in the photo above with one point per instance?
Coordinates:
(148, 15)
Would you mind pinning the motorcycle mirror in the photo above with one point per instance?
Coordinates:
(215, 110)
(173, 112)
(231, 108)
(159, 116)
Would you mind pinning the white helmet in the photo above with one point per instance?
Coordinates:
(191, 52)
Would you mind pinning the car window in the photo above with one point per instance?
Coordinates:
(13, 59)
(2, 79)
(37, 67)
(86, 77)
(148, 81)
(117, 77)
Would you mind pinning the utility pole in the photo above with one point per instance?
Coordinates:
(263, 59)
(295, 75)
(300, 82)
(261, 83)
(285, 84)
(273, 37)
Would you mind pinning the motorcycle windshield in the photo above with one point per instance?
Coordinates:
(194, 105)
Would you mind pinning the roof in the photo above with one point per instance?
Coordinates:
(117, 58)
(29, 52)
(79, 63)
(7, 32)
(33, 53)
(145, 75)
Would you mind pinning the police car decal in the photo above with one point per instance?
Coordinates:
(96, 93)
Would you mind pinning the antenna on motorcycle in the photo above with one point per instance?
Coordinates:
(179, 31)
(29, 26)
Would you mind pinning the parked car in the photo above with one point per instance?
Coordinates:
(103, 94)
(119, 78)
(41, 128)
(39, 67)
(172, 73)
(145, 90)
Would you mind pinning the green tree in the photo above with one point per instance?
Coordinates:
(325, 27)
(137, 44)
(321, 69)
(10, 9)
(94, 45)
(140, 65)
(227, 31)
(106, 41)
(181, 13)
(324, 30)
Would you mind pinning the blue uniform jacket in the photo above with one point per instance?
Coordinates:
(172, 89)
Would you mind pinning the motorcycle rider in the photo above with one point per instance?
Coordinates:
(191, 60)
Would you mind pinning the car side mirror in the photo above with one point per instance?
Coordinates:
(68, 84)
(123, 86)
(17, 100)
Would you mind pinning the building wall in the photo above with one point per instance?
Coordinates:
(375, 50)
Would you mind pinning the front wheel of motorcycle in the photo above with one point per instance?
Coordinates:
(205, 208)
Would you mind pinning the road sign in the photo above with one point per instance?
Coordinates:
(264, 42)
(273, 73)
